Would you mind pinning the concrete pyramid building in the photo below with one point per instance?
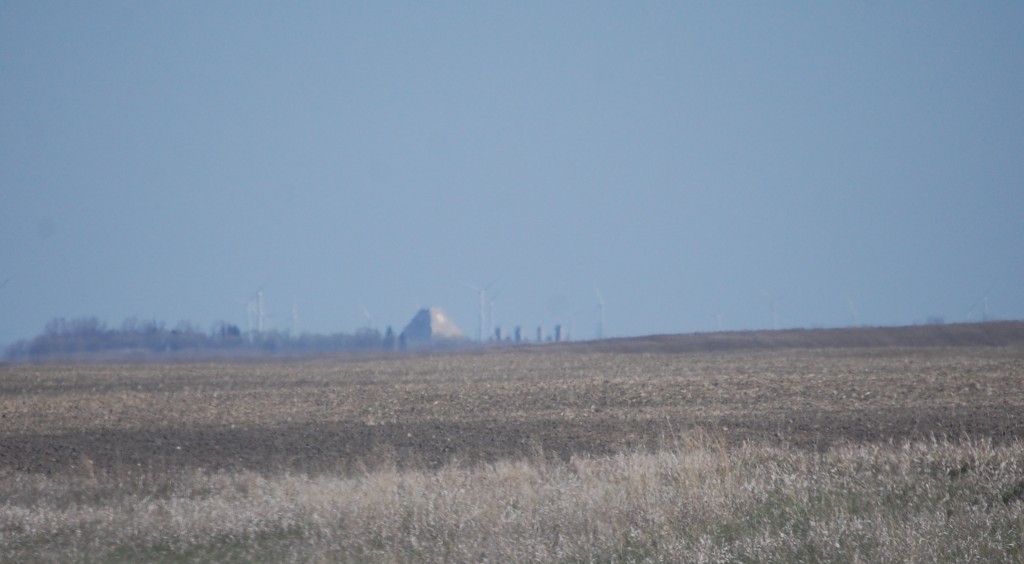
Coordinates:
(430, 326)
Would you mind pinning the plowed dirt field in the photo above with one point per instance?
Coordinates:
(337, 415)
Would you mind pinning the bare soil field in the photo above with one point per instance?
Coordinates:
(807, 390)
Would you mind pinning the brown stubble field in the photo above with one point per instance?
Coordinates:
(425, 411)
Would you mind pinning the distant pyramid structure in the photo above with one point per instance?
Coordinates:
(430, 326)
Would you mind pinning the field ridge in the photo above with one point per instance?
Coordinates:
(987, 334)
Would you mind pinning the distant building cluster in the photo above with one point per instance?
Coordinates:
(432, 327)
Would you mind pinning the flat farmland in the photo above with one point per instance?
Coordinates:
(336, 415)
(651, 450)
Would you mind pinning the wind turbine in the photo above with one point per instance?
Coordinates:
(482, 292)
(600, 313)
(490, 313)
(255, 311)
(983, 300)
(774, 299)
(369, 318)
(853, 311)
(261, 312)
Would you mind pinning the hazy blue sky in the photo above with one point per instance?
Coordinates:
(694, 161)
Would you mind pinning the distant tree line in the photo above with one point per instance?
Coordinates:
(89, 336)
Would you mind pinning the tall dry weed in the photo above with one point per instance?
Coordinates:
(699, 501)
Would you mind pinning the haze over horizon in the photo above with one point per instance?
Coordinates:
(701, 165)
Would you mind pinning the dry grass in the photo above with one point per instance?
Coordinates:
(547, 455)
(697, 502)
